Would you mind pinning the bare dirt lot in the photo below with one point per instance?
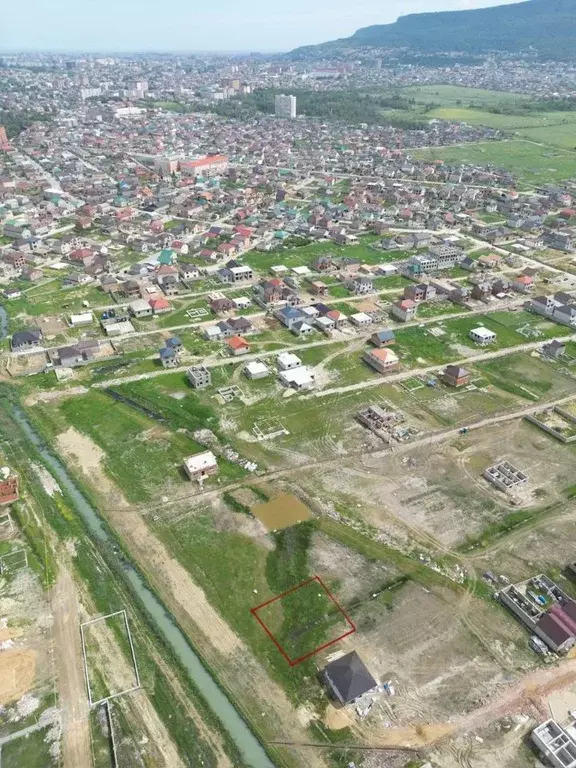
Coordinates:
(89, 457)
(70, 672)
(27, 683)
(441, 491)
(17, 674)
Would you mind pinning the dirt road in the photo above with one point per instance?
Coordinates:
(70, 671)
(429, 439)
(335, 339)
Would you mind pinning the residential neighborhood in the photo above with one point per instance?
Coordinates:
(288, 412)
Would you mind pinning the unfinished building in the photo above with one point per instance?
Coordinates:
(556, 743)
(385, 424)
(199, 376)
(544, 609)
(505, 476)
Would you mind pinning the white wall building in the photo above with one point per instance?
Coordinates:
(556, 743)
(482, 335)
(285, 106)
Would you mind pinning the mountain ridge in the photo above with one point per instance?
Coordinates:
(547, 27)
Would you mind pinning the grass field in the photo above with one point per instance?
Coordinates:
(455, 96)
(527, 377)
(524, 124)
(51, 299)
(304, 619)
(142, 457)
(472, 106)
(531, 163)
(32, 751)
(230, 582)
(305, 254)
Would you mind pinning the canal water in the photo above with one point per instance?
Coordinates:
(247, 743)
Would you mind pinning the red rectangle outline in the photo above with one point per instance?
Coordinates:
(300, 659)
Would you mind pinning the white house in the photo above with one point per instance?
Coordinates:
(326, 324)
(360, 318)
(482, 335)
(241, 302)
(256, 369)
(287, 361)
(201, 465)
(297, 378)
(84, 318)
(140, 308)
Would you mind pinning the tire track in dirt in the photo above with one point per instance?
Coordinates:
(70, 672)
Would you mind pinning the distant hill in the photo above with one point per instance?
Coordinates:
(546, 26)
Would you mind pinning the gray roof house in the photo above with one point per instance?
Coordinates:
(32, 337)
(348, 678)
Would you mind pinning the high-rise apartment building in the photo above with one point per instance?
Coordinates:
(4, 143)
(285, 106)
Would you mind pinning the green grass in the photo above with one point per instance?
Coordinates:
(351, 369)
(562, 134)
(527, 377)
(416, 347)
(522, 319)
(51, 299)
(459, 328)
(230, 566)
(532, 164)
(339, 291)
(305, 255)
(31, 751)
(189, 412)
(435, 309)
(456, 95)
(141, 457)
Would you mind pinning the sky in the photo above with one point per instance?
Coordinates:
(199, 25)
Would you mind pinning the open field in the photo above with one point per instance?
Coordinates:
(118, 442)
(528, 376)
(443, 493)
(167, 722)
(546, 125)
(305, 255)
(531, 163)
(455, 95)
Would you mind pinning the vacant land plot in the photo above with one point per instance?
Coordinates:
(450, 406)
(140, 456)
(50, 298)
(305, 255)
(239, 567)
(528, 376)
(304, 620)
(103, 643)
(441, 655)
(282, 511)
(530, 162)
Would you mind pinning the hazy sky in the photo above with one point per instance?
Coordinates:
(188, 25)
